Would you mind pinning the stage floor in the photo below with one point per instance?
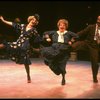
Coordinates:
(45, 84)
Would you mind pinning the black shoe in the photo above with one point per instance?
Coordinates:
(63, 82)
(95, 81)
(28, 81)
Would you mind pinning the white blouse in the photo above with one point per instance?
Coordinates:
(61, 36)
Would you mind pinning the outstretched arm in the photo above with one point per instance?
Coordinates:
(6, 22)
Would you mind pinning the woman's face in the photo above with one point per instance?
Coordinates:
(62, 27)
(33, 21)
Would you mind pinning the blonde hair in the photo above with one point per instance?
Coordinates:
(63, 21)
(31, 18)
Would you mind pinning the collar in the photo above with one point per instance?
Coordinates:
(62, 33)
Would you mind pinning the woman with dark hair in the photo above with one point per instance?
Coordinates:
(19, 51)
(57, 55)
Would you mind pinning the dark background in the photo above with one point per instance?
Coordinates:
(78, 13)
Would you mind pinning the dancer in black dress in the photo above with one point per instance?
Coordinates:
(19, 51)
(57, 55)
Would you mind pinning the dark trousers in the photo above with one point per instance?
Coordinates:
(94, 55)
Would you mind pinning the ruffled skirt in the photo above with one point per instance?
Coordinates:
(56, 57)
(20, 55)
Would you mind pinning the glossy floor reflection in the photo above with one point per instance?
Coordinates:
(45, 84)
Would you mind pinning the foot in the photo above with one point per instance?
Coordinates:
(63, 82)
(95, 81)
(28, 81)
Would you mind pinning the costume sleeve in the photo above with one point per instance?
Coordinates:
(74, 35)
(44, 41)
(17, 27)
(84, 32)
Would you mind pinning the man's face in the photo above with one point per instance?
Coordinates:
(98, 21)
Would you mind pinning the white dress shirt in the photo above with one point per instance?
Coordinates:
(97, 31)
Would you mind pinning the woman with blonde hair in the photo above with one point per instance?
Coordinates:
(19, 51)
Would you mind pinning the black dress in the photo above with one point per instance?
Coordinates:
(57, 55)
(19, 51)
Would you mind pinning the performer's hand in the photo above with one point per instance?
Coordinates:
(1, 18)
(48, 39)
(70, 43)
